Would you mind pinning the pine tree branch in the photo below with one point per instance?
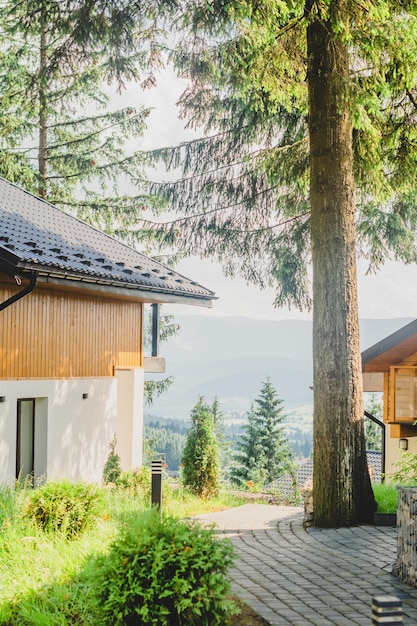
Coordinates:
(252, 154)
(180, 221)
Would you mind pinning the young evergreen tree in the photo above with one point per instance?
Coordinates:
(309, 110)
(270, 413)
(220, 431)
(112, 467)
(263, 452)
(249, 461)
(59, 137)
(200, 457)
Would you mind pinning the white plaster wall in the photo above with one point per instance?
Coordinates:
(130, 399)
(73, 434)
(41, 437)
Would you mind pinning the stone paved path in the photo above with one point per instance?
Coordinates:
(318, 577)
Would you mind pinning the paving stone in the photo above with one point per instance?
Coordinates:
(315, 577)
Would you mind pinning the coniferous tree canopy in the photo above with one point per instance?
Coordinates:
(249, 468)
(245, 190)
(160, 440)
(167, 328)
(263, 453)
(200, 459)
(58, 135)
(220, 432)
(309, 113)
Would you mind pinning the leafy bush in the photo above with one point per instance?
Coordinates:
(406, 472)
(138, 479)
(164, 572)
(64, 507)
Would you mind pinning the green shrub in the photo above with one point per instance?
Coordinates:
(406, 472)
(138, 479)
(112, 468)
(164, 572)
(64, 507)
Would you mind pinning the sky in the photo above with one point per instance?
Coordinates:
(390, 293)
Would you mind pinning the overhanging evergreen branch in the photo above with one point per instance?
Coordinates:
(250, 156)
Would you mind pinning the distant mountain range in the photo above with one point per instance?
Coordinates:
(230, 357)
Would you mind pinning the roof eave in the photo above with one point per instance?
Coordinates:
(144, 294)
(388, 343)
(10, 264)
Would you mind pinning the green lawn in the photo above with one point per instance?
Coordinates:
(43, 574)
(386, 497)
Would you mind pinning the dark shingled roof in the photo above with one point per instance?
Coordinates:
(391, 350)
(36, 236)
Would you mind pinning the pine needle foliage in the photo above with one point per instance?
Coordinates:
(225, 445)
(112, 467)
(200, 458)
(309, 111)
(164, 572)
(167, 328)
(263, 453)
(243, 197)
(59, 136)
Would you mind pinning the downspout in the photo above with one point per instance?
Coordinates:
(21, 294)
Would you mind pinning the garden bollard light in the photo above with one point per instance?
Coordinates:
(387, 610)
(156, 485)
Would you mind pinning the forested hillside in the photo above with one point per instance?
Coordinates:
(227, 358)
(166, 436)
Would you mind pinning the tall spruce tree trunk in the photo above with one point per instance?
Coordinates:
(342, 488)
(43, 117)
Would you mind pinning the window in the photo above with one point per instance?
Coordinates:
(405, 393)
(25, 445)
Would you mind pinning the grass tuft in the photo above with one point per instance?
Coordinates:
(386, 497)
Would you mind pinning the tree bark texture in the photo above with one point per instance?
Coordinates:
(342, 488)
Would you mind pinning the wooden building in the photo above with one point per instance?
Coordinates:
(390, 366)
(71, 340)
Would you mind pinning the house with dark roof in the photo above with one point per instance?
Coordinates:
(71, 339)
(390, 366)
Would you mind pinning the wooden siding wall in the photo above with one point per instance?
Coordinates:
(389, 405)
(59, 334)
